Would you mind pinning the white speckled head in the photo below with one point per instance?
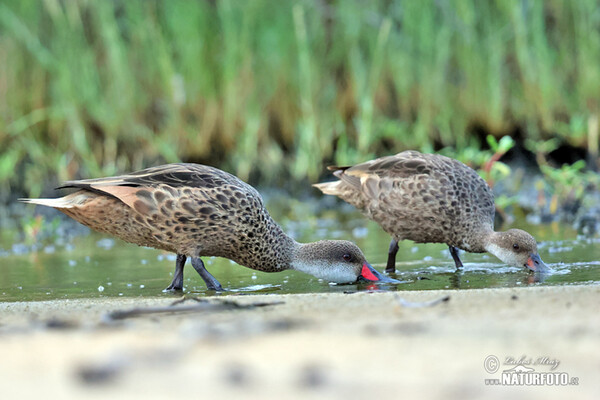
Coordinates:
(336, 261)
(517, 248)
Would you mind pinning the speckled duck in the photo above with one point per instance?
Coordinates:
(429, 198)
(195, 210)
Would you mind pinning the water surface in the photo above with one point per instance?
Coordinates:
(95, 265)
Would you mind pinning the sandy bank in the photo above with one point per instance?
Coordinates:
(362, 345)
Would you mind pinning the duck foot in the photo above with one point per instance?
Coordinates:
(177, 283)
(454, 254)
(211, 282)
(390, 268)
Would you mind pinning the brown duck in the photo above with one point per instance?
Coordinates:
(195, 210)
(429, 198)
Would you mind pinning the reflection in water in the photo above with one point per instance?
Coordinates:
(455, 279)
(257, 289)
(537, 277)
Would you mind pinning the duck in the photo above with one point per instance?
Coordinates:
(196, 211)
(430, 198)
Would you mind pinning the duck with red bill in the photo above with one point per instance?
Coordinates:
(199, 211)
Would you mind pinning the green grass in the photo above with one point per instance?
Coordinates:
(260, 87)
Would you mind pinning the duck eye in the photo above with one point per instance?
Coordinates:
(347, 257)
(516, 246)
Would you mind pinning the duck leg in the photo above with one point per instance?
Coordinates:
(177, 283)
(391, 262)
(211, 282)
(454, 253)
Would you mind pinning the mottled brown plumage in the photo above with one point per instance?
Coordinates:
(195, 210)
(429, 198)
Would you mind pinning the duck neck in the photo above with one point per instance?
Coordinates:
(491, 241)
(285, 258)
(301, 258)
(277, 250)
(478, 242)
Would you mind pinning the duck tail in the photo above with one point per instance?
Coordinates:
(61, 202)
(68, 201)
(332, 188)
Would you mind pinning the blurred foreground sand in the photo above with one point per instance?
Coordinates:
(361, 345)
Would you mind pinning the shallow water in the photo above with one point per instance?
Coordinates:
(95, 265)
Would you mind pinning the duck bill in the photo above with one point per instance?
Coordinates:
(535, 263)
(370, 274)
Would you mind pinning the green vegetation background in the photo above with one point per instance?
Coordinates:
(271, 89)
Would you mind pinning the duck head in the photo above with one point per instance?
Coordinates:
(336, 261)
(517, 248)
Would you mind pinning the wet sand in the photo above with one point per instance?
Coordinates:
(361, 345)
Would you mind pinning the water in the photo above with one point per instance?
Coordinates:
(95, 265)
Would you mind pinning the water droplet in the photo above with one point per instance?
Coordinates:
(19, 248)
(360, 232)
(105, 243)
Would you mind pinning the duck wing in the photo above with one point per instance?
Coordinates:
(174, 175)
(150, 187)
(378, 179)
(415, 195)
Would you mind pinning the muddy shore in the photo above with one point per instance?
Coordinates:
(361, 345)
